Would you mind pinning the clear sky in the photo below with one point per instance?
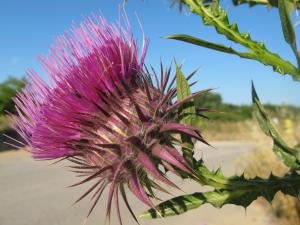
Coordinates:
(28, 27)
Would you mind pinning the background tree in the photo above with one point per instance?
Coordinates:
(210, 99)
(8, 89)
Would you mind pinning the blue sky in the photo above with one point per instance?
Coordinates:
(29, 27)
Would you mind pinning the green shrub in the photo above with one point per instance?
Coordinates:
(8, 89)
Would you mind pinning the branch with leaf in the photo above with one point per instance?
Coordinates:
(213, 14)
(236, 189)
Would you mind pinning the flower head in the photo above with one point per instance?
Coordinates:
(102, 112)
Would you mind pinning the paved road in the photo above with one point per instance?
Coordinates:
(33, 193)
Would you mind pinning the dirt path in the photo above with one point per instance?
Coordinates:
(32, 193)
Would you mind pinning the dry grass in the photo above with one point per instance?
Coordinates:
(225, 131)
(249, 130)
(4, 123)
(6, 129)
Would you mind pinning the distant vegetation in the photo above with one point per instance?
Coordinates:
(8, 89)
(235, 113)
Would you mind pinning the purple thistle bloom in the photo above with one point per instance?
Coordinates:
(102, 112)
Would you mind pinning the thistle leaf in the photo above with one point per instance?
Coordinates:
(183, 91)
(186, 113)
(217, 17)
(284, 8)
(242, 196)
(290, 156)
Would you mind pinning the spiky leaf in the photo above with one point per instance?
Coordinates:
(284, 8)
(290, 156)
(255, 188)
(286, 23)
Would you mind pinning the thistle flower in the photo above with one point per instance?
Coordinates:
(102, 112)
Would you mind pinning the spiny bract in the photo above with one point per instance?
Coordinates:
(102, 112)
